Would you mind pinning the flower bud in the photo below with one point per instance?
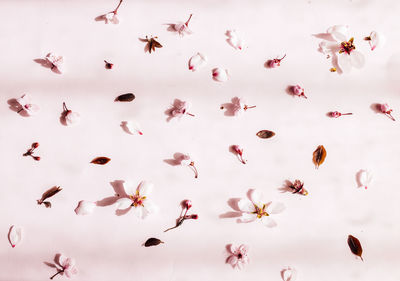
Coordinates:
(187, 204)
(35, 145)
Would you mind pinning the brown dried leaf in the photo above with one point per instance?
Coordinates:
(100, 160)
(319, 156)
(125, 97)
(49, 193)
(153, 44)
(355, 246)
(265, 134)
(152, 242)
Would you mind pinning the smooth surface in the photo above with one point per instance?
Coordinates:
(312, 232)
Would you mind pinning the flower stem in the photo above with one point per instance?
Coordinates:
(282, 57)
(390, 116)
(347, 113)
(190, 114)
(187, 22)
(248, 107)
(116, 9)
(65, 107)
(61, 271)
(196, 174)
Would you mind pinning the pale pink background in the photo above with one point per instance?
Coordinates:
(311, 233)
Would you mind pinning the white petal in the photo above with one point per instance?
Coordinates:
(236, 42)
(220, 74)
(149, 208)
(123, 203)
(377, 40)
(24, 99)
(138, 212)
(145, 188)
(268, 221)
(129, 188)
(246, 217)
(246, 205)
(62, 259)
(197, 61)
(257, 197)
(275, 208)
(365, 178)
(357, 59)
(85, 208)
(338, 32)
(72, 118)
(344, 62)
(133, 127)
(15, 235)
(289, 274)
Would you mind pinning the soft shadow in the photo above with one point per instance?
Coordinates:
(233, 203)
(230, 107)
(147, 46)
(358, 178)
(290, 90)
(118, 186)
(49, 264)
(324, 36)
(177, 103)
(329, 114)
(176, 161)
(286, 187)
(63, 116)
(376, 107)
(101, 18)
(46, 64)
(171, 27)
(16, 107)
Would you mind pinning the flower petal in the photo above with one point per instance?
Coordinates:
(338, 32)
(344, 62)
(257, 197)
(15, 235)
(232, 260)
(357, 59)
(275, 208)
(145, 188)
(129, 188)
(149, 208)
(123, 203)
(247, 217)
(268, 221)
(289, 274)
(197, 61)
(220, 74)
(85, 208)
(133, 127)
(246, 205)
(72, 118)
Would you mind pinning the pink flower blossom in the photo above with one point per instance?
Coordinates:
(56, 62)
(239, 152)
(71, 118)
(67, 267)
(182, 28)
(180, 108)
(112, 16)
(298, 91)
(234, 40)
(187, 204)
(25, 102)
(275, 62)
(336, 114)
(385, 109)
(238, 256)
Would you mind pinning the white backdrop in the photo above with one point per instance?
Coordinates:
(312, 232)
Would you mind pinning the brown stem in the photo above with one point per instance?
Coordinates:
(190, 114)
(196, 174)
(282, 57)
(241, 159)
(61, 271)
(347, 113)
(187, 22)
(65, 107)
(248, 107)
(116, 9)
(20, 110)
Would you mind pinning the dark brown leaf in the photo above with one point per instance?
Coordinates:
(319, 156)
(100, 160)
(49, 193)
(152, 242)
(355, 246)
(47, 204)
(125, 97)
(265, 134)
(153, 44)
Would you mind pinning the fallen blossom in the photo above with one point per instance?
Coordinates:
(197, 61)
(138, 199)
(25, 101)
(108, 65)
(275, 62)
(112, 17)
(67, 267)
(186, 160)
(336, 114)
(385, 109)
(180, 108)
(375, 40)
(220, 74)
(182, 28)
(56, 62)
(289, 274)
(298, 187)
(234, 40)
(239, 152)
(186, 205)
(298, 91)
(70, 117)
(15, 235)
(256, 209)
(364, 178)
(85, 208)
(132, 127)
(151, 43)
(238, 256)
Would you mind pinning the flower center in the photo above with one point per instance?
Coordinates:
(240, 256)
(347, 47)
(137, 199)
(261, 211)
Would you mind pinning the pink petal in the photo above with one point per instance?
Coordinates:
(246, 205)
(123, 203)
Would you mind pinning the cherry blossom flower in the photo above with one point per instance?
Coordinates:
(197, 61)
(138, 199)
(180, 108)
(234, 40)
(27, 106)
(298, 91)
(256, 209)
(15, 235)
(67, 267)
(288, 274)
(112, 16)
(220, 74)
(364, 178)
(85, 208)
(375, 40)
(239, 106)
(182, 28)
(132, 127)
(298, 187)
(337, 114)
(385, 109)
(56, 62)
(275, 62)
(70, 117)
(239, 152)
(238, 256)
(186, 160)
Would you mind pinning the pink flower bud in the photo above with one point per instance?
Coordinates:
(335, 114)
(35, 145)
(237, 149)
(194, 217)
(187, 204)
(273, 63)
(385, 108)
(37, 158)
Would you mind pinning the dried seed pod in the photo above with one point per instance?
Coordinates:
(125, 97)
(319, 156)
(100, 160)
(152, 242)
(355, 246)
(265, 134)
(49, 193)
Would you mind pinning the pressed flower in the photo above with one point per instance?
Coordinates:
(220, 74)
(298, 91)
(238, 256)
(133, 127)
(298, 187)
(364, 178)
(239, 106)
(385, 109)
(186, 160)
(256, 209)
(288, 274)
(239, 152)
(336, 114)
(71, 118)
(15, 235)
(112, 16)
(275, 62)
(56, 62)
(182, 28)
(138, 199)
(375, 40)
(85, 208)
(151, 43)
(197, 61)
(25, 101)
(186, 205)
(180, 108)
(234, 40)
(67, 267)
(31, 150)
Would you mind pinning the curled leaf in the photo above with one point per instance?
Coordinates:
(265, 134)
(319, 156)
(15, 235)
(355, 246)
(49, 193)
(152, 242)
(100, 160)
(125, 97)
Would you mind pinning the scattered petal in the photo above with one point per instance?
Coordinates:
(220, 74)
(125, 97)
(234, 40)
(85, 208)
(289, 274)
(197, 61)
(15, 235)
(265, 134)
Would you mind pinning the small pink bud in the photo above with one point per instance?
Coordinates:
(35, 145)
(385, 108)
(187, 204)
(237, 149)
(194, 216)
(37, 158)
(335, 114)
(273, 63)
